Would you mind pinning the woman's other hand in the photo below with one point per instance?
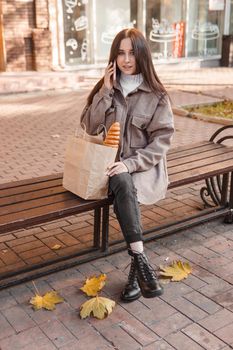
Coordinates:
(116, 168)
(108, 76)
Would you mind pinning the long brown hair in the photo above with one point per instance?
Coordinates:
(144, 64)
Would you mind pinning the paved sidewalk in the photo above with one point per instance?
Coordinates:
(194, 314)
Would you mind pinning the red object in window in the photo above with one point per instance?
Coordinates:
(178, 44)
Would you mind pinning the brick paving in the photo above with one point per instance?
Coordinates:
(196, 313)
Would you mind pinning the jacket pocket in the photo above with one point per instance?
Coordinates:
(138, 134)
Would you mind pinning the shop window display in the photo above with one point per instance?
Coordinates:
(174, 29)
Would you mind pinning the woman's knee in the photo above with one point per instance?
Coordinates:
(121, 182)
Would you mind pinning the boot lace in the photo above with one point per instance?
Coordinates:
(132, 277)
(146, 269)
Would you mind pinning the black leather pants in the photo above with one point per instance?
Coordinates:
(126, 206)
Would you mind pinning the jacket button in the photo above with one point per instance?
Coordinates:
(122, 154)
(142, 125)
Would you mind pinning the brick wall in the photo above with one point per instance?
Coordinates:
(25, 23)
(42, 49)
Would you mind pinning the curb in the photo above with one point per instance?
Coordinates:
(178, 110)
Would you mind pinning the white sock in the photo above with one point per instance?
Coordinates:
(137, 247)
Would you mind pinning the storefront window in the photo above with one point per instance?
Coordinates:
(165, 28)
(90, 26)
(203, 29)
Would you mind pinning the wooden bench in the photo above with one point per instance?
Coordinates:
(29, 202)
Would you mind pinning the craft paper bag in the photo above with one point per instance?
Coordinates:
(85, 167)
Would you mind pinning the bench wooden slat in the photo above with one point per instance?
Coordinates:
(189, 176)
(190, 146)
(32, 186)
(194, 150)
(29, 181)
(217, 162)
(37, 212)
(189, 158)
(31, 195)
(36, 203)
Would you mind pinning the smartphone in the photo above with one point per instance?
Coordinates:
(114, 70)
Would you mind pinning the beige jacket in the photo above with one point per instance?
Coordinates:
(146, 131)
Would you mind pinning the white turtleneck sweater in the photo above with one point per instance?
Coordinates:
(130, 82)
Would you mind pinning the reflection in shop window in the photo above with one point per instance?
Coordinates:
(110, 18)
(205, 33)
(203, 29)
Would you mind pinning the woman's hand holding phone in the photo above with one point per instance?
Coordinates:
(114, 71)
(110, 75)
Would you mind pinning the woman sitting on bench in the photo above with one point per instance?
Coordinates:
(131, 93)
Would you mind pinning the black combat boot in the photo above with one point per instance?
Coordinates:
(146, 276)
(132, 290)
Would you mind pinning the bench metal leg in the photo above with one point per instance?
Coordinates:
(216, 190)
(224, 191)
(229, 217)
(97, 220)
(105, 228)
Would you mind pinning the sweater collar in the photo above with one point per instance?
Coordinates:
(143, 86)
(131, 79)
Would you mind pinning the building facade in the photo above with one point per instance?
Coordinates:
(76, 34)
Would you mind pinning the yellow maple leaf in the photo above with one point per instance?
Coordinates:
(99, 307)
(177, 271)
(47, 301)
(93, 285)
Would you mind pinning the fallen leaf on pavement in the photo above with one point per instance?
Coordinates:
(47, 301)
(99, 307)
(93, 285)
(177, 271)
